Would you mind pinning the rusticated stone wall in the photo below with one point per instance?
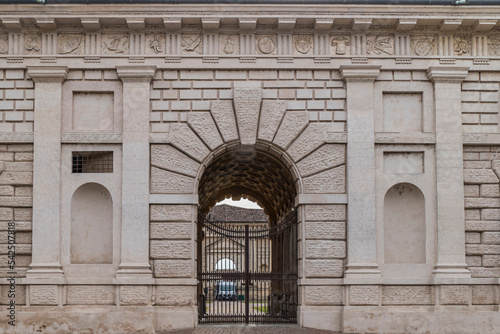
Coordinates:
(482, 209)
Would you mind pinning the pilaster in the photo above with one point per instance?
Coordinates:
(46, 261)
(135, 172)
(361, 229)
(450, 262)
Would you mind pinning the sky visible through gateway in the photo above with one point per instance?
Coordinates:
(243, 203)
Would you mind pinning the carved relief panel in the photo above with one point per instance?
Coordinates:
(71, 44)
(115, 44)
(266, 44)
(155, 44)
(229, 45)
(340, 45)
(303, 44)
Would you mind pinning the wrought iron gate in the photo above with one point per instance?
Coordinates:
(247, 271)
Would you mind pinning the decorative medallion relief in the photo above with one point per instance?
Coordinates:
(303, 44)
(155, 44)
(423, 45)
(71, 44)
(115, 44)
(380, 45)
(266, 44)
(4, 44)
(192, 44)
(229, 44)
(340, 45)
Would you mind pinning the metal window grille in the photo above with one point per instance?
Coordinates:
(93, 162)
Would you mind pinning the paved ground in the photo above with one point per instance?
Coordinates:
(251, 329)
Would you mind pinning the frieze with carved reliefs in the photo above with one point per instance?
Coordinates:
(494, 44)
(266, 44)
(115, 44)
(340, 45)
(71, 44)
(192, 43)
(380, 45)
(229, 44)
(303, 43)
(155, 43)
(462, 44)
(4, 44)
(423, 45)
(33, 44)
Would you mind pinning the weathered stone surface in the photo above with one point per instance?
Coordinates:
(471, 214)
(23, 214)
(482, 226)
(325, 230)
(20, 226)
(170, 249)
(203, 124)
(454, 295)
(16, 201)
(325, 212)
(172, 230)
(22, 249)
(134, 295)
(247, 107)
(20, 294)
(182, 137)
(478, 176)
(175, 295)
(168, 157)
(6, 191)
(90, 295)
(490, 190)
(24, 191)
(165, 182)
(483, 295)
(472, 237)
(491, 238)
(21, 238)
(324, 295)
(480, 249)
(173, 268)
(292, 125)
(6, 214)
(324, 268)
(15, 178)
(330, 181)
(363, 295)
(310, 139)
(325, 157)
(490, 214)
(480, 272)
(43, 295)
(473, 261)
(491, 260)
(324, 249)
(407, 295)
(270, 117)
(475, 203)
(223, 113)
(171, 212)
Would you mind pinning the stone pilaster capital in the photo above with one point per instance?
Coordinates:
(136, 73)
(48, 74)
(447, 73)
(359, 73)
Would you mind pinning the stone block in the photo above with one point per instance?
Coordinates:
(491, 261)
(310, 139)
(471, 190)
(16, 178)
(203, 124)
(324, 295)
(490, 214)
(187, 141)
(23, 157)
(330, 181)
(479, 86)
(90, 295)
(6, 105)
(247, 102)
(191, 94)
(172, 230)
(324, 249)
(93, 75)
(223, 114)
(171, 212)
(173, 268)
(14, 94)
(20, 294)
(16, 201)
(477, 203)
(324, 268)
(283, 93)
(489, 96)
(407, 295)
(481, 249)
(134, 295)
(315, 105)
(480, 107)
(470, 96)
(271, 114)
(472, 237)
(482, 226)
(175, 295)
(196, 75)
(165, 182)
(335, 105)
(230, 75)
(326, 212)
(325, 230)
(170, 249)
(43, 295)
(481, 272)
(294, 122)
(483, 295)
(363, 295)
(168, 157)
(14, 74)
(23, 214)
(180, 105)
(6, 191)
(454, 295)
(160, 105)
(490, 190)
(491, 238)
(473, 261)
(6, 214)
(304, 94)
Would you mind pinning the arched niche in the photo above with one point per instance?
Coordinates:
(91, 225)
(404, 225)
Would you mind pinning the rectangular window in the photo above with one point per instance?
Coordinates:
(92, 162)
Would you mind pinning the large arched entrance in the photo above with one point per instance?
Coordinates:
(260, 283)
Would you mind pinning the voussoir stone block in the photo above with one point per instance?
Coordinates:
(168, 157)
(173, 268)
(175, 295)
(43, 295)
(90, 295)
(223, 114)
(270, 117)
(330, 181)
(134, 295)
(182, 137)
(171, 230)
(407, 295)
(324, 268)
(166, 182)
(325, 230)
(292, 125)
(454, 295)
(363, 295)
(311, 138)
(324, 249)
(324, 295)
(247, 107)
(325, 212)
(203, 124)
(171, 212)
(325, 157)
(170, 249)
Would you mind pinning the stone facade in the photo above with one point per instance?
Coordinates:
(378, 124)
